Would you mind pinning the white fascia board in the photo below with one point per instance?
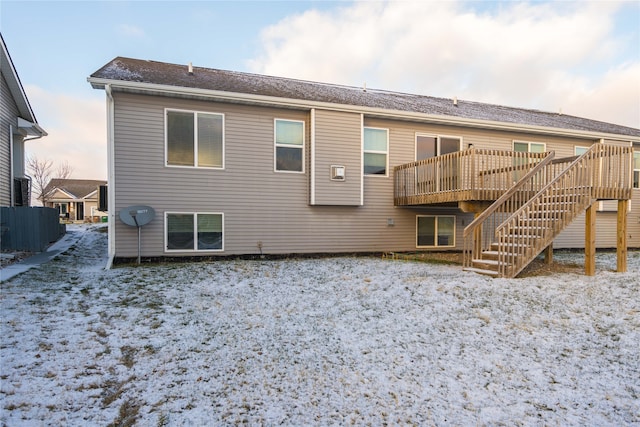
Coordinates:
(378, 112)
(32, 129)
(72, 197)
(93, 193)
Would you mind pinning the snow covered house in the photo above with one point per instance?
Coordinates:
(236, 163)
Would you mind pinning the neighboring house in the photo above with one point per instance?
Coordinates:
(236, 163)
(22, 227)
(18, 124)
(77, 200)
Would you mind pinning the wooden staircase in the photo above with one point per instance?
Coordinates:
(517, 227)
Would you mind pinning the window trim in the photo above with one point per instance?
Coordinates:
(276, 145)
(195, 231)
(580, 147)
(518, 141)
(436, 231)
(438, 138)
(634, 170)
(195, 143)
(386, 153)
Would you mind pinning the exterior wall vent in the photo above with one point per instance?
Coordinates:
(338, 173)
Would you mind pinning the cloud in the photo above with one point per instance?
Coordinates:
(533, 55)
(130, 30)
(77, 131)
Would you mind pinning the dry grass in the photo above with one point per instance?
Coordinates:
(537, 268)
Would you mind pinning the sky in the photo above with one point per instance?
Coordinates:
(581, 58)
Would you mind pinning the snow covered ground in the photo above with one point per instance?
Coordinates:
(337, 341)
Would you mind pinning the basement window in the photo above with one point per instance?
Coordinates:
(435, 231)
(191, 232)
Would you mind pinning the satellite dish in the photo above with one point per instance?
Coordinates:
(137, 216)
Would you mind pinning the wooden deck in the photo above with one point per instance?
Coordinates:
(523, 200)
(485, 175)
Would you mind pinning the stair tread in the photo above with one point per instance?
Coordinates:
(482, 271)
(486, 261)
(491, 253)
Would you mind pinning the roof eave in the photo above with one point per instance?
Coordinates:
(31, 129)
(15, 86)
(100, 83)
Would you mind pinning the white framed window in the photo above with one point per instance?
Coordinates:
(636, 169)
(529, 147)
(194, 232)
(435, 231)
(428, 146)
(288, 146)
(579, 151)
(194, 139)
(376, 151)
(520, 163)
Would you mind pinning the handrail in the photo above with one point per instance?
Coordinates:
(471, 174)
(534, 198)
(587, 154)
(534, 225)
(548, 219)
(502, 199)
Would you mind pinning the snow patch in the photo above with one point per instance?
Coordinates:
(316, 342)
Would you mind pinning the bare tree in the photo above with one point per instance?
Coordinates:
(64, 170)
(41, 171)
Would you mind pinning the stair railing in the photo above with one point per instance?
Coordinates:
(479, 234)
(531, 228)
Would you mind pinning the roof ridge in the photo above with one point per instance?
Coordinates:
(249, 84)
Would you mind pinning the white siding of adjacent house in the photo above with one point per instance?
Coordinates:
(273, 209)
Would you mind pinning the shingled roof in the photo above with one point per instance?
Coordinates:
(78, 188)
(145, 73)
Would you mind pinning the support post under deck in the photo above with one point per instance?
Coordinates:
(621, 239)
(590, 241)
(548, 254)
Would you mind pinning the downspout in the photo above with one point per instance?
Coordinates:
(12, 189)
(12, 169)
(312, 169)
(111, 193)
(362, 159)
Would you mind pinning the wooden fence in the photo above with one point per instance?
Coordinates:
(29, 229)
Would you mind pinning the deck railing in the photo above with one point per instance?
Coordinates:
(479, 235)
(472, 174)
(519, 229)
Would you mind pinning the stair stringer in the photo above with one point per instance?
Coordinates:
(534, 226)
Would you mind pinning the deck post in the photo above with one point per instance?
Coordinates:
(621, 240)
(590, 241)
(548, 254)
(477, 239)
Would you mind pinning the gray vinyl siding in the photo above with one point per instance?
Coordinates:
(633, 220)
(274, 208)
(338, 141)
(8, 114)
